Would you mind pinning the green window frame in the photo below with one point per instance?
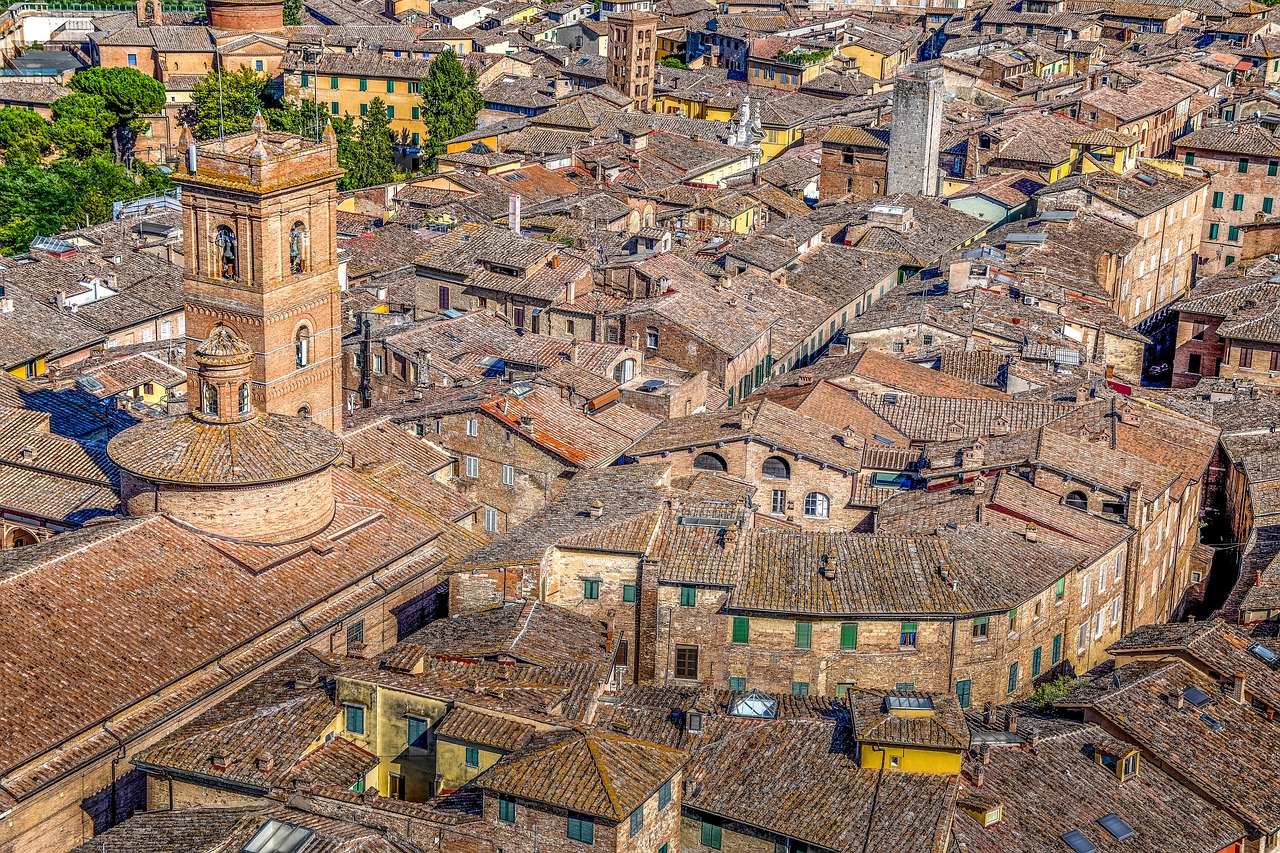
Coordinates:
(506, 810)
(472, 757)
(1273, 168)
(636, 821)
(364, 84)
(590, 590)
(333, 82)
(1228, 260)
(741, 630)
(907, 636)
(414, 113)
(1237, 201)
(1035, 661)
(415, 140)
(964, 692)
(710, 836)
(1233, 233)
(1191, 158)
(737, 684)
(664, 795)
(688, 596)
(581, 828)
(1242, 165)
(364, 110)
(333, 108)
(391, 111)
(799, 688)
(662, 849)
(417, 731)
(306, 80)
(1217, 199)
(804, 635)
(981, 625)
(629, 592)
(391, 87)
(1013, 676)
(354, 722)
(1060, 589)
(1267, 204)
(1057, 648)
(843, 688)
(1214, 229)
(1013, 620)
(849, 635)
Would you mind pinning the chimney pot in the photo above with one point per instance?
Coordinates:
(1011, 721)
(597, 508)
(219, 761)
(1237, 687)
(266, 762)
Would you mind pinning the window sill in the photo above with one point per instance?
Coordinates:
(980, 639)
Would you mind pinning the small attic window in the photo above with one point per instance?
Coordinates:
(1265, 655)
(907, 702)
(755, 705)
(1115, 825)
(1076, 841)
(277, 836)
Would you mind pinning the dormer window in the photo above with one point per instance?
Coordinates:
(1120, 759)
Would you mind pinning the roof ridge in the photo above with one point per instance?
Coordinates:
(598, 761)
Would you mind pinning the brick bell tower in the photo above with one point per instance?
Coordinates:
(259, 217)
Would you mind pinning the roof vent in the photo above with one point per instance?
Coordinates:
(597, 508)
(693, 722)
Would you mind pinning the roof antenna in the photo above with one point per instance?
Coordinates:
(222, 136)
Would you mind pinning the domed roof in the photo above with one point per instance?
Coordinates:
(223, 348)
(184, 449)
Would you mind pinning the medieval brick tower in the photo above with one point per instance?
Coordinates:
(260, 220)
(633, 52)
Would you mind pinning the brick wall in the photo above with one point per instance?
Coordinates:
(1196, 340)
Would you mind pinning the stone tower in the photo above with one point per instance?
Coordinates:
(259, 213)
(916, 133)
(150, 14)
(633, 46)
(263, 16)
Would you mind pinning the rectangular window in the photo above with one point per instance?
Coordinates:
(737, 684)
(413, 113)
(508, 475)
(710, 836)
(980, 626)
(472, 467)
(1013, 676)
(964, 692)
(333, 108)
(391, 111)
(1228, 260)
(1082, 638)
(1243, 165)
(1267, 204)
(306, 80)
(582, 828)
(417, 732)
(637, 821)
(1246, 356)
(1193, 363)
(804, 635)
(490, 520)
(779, 503)
(506, 810)
(849, 635)
(664, 795)
(473, 427)
(354, 719)
(1237, 202)
(473, 756)
(1272, 167)
(741, 630)
(1060, 589)
(257, 65)
(629, 593)
(591, 590)
(688, 596)
(1086, 583)
(414, 141)
(799, 688)
(133, 60)
(364, 85)
(391, 87)
(333, 82)
(907, 636)
(444, 298)
(1035, 661)
(355, 633)
(687, 662)
(364, 109)
(1214, 228)
(1217, 199)
(1191, 158)
(1233, 233)
(1057, 648)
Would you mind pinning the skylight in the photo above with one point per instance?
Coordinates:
(756, 704)
(276, 836)
(1076, 841)
(1264, 654)
(898, 702)
(1196, 697)
(1115, 825)
(1211, 722)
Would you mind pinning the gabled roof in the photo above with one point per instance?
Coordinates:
(598, 774)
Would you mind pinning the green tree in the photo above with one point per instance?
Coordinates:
(292, 13)
(129, 94)
(373, 151)
(81, 124)
(451, 100)
(227, 98)
(23, 133)
(672, 62)
(1049, 692)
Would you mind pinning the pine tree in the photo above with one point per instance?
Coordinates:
(451, 100)
(371, 162)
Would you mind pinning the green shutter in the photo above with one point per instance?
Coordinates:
(1013, 676)
(414, 111)
(1191, 158)
(1217, 199)
(391, 86)
(1233, 234)
(1243, 166)
(364, 85)
(506, 810)
(628, 592)
(1213, 231)
(1057, 648)
(688, 596)
(333, 82)
(964, 689)
(799, 688)
(849, 635)
(737, 684)
(591, 590)
(1060, 588)
(1237, 201)
(741, 629)
(473, 756)
(804, 635)
(1272, 168)
(1035, 661)
(710, 836)
(306, 81)
(1266, 204)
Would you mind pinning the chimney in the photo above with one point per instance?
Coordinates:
(1237, 687)
(60, 299)
(1011, 721)
(526, 421)
(555, 259)
(1031, 533)
(266, 762)
(944, 572)
(573, 352)
(219, 760)
(984, 753)
(597, 508)
(825, 568)
(513, 213)
(988, 714)
(1177, 701)
(730, 536)
(1133, 509)
(356, 650)
(979, 775)
(1082, 393)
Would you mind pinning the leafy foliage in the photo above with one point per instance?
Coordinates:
(23, 133)
(292, 13)
(82, 124)
(371, 155)
(1051, 691)
(451, 100)
(672, 62)
(128, 94)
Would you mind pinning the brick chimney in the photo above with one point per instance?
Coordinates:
(597, 508)
(266, 762)
(1237, 687)
(218, 759)
(1133, 509)
(1011, 721)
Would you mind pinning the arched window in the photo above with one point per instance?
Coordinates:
(226, 241)
(243, 398)
(21, 538)
(302, 347)
(210, 400)
(1078, 500)
(777, 468)
(651, 337)
(710, 462)
(817, 505)
(297, 248)
(304, 411)
(625, 371)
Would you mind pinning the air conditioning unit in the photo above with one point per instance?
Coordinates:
(1030, 300)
